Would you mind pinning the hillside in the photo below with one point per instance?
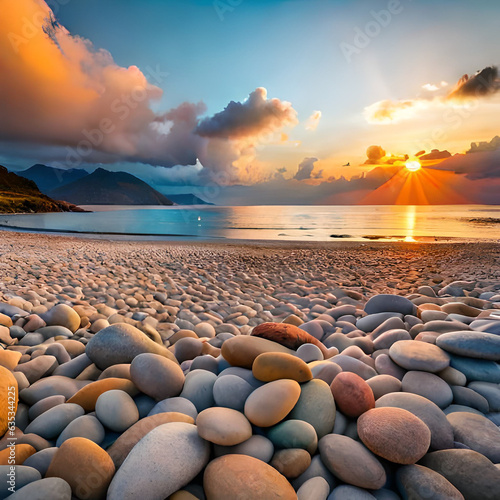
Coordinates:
(50, 178)
(187, 199)
(20, 195)
(110, 188)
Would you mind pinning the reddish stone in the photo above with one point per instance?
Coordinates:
(352, 394)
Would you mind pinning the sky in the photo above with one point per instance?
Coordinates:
(258, 101)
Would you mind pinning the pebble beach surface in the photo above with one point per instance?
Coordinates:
(158, 370)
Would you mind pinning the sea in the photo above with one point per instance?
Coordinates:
(276, 223)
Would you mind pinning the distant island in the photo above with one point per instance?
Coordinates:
(102, 187)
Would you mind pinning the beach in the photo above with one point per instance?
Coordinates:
(249, 369)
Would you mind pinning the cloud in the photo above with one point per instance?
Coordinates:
(375, 153)
(435, 154)
(478, 86)
(479, 147)
(313, 121)
(59, 91)
(482, 83)
(254, 117)
(305, 170)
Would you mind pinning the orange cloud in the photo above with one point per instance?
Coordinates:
(313, 121)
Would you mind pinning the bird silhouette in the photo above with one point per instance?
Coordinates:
(348, 164)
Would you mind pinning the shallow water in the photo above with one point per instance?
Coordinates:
(302, 223)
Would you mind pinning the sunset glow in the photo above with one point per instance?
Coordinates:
(413, 166)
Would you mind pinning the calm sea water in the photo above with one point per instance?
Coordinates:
(302, 223)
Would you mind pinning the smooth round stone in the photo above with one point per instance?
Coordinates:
(309, 352)
(383, 384)
(223, 426)
(425, 410)
(294, 434)
(188, 348)
(314, 328)
(272, 402)
(371, 322)
(257, 446)
(470, 472)
(246, 478)
(205, 362)
(116, 410)
(41, 459)
(384, 365)
(454, 408)
(471, 344)
(88, 395)
(476, 432)
(74, 367)
(422, 356)
(316, 406)
(394, 434)
(162, 462)
(18, 454)
(204, 329)
(231, 391)
(243, 373)
(144, 404)
(156, 376)
(20, 476)
(121, 343)
(353, 365)
(55, 331)
(386, 339)
(452, 376)
(316, 469)
(120, 449)
(37, 368)
(315, 488)
(85, 466)
(469, 397)
(491, 392)
(352, 394)
(32, 339)
(9, 359)
(63, 315)
(415, 481)
(116, 371)
(271, 366)
(291, 462)
(53, 421)
(54, 488)
(429, 386)
(86, 426)
(59, 352)
(389, 303)
(8, 385)
(198, 388)
(243, 349)
(348, 492)
(178, 405)
(351, 462)
(325, 371)
(477, 369)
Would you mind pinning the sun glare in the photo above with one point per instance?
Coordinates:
(413, 165)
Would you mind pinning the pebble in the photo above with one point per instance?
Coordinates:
(121, 343)
(86, 426)
(351, 462)
(389, 303)
(162, 462)
(156, 376)
(429, 386)
(8, 394)
(198, 388)
(21, 474)
(85, 466)
(394, 434)
(476, 369)
(257, 446)
(54, 488)
(241, 476)
(352, 394)
(53, 421)
(179, 405)
(231, 391)
(425, 410)
(315, 488)
(223, 426)
(468, 471)
(116, 410)
(291, 462)
(471, 344)
(271, 366)
(413, 355)
(271, 403)
(294, 434)
(383, 384)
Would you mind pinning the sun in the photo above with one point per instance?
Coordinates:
(413, 165)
